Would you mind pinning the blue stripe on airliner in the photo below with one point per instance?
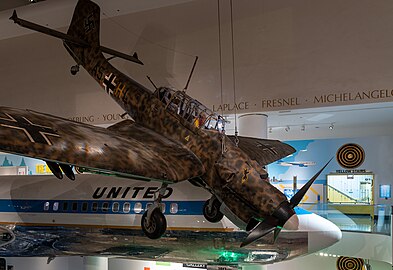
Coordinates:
(79, 207)
(42, 206)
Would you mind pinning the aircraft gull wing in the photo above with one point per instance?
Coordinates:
(143, 155)
(264, 151)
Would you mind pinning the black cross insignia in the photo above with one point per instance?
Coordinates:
(268, 148)
(89, 23)
(35, 133)
(109, 83)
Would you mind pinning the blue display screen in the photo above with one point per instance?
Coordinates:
(385, 191)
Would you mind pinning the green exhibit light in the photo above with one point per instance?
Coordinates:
(230, 256)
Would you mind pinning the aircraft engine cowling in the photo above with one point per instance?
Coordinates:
(254, 196)
(249, 197)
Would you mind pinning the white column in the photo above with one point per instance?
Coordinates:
(95, 263)
(253, 125)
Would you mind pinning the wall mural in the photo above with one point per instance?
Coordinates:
(351, 158)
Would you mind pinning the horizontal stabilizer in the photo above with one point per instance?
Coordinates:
(70, 39)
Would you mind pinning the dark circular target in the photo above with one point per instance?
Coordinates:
(348, 263)
(350, 156)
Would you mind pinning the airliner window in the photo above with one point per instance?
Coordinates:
(174, 208)
(55, 206)
(105, 207)
(138, 207)
(65, 206)
(94, 207)
(115, 207)
(126, 207)
(46, 206)
(74, 206)
(163, 207)
(84, 206)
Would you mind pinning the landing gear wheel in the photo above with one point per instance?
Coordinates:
(212, 213)
(74, 69)
(157, 225)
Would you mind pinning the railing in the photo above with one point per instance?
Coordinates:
(359, 218)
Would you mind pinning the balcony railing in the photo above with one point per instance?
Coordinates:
(355, 218)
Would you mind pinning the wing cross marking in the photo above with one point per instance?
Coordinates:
(34, 132)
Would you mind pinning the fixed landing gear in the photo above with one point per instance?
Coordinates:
(156, 226)
(211, 210)
(153, 220)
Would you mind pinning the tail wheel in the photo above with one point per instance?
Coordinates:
(212, 213)
(157, 225)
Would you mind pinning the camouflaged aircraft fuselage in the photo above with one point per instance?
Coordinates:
(230, 174)
(178, 147)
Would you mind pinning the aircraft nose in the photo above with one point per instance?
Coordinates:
(292, 223)
(321, 232)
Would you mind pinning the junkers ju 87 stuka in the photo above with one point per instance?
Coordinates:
(171, 138)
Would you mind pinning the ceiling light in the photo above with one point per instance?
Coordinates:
(331, 126)
(303, 128)
(270, 130)
(287, 128)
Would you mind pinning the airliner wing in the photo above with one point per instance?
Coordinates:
(264, 151)
(142, 154)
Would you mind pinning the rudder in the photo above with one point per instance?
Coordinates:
(85, 26)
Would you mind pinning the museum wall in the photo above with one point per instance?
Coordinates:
(377, 161)
(287, 55)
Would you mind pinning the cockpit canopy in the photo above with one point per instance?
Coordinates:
(191, 110)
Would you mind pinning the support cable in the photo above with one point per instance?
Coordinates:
(233, 76)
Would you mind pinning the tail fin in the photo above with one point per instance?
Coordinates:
(83, 37)
(85, 25)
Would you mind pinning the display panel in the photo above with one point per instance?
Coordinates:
(350, 188)
(385, 191)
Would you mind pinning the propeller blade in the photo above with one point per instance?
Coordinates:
(259, 231)
(297, 198)
(252, 224)
(276, 233)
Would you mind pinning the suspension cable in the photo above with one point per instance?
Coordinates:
(233, 76)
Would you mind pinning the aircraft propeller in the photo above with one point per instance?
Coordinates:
(283, 217)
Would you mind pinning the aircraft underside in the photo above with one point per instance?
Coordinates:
(175, 246)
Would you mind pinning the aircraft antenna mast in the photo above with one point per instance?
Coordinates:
(192, 71)
(233, 77)
(150, 80)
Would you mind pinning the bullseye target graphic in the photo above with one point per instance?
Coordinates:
(348, 263)
(350, 156)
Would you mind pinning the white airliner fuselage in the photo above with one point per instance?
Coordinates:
(100, 215)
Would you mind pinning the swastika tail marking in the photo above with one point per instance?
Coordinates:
(89, 23)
